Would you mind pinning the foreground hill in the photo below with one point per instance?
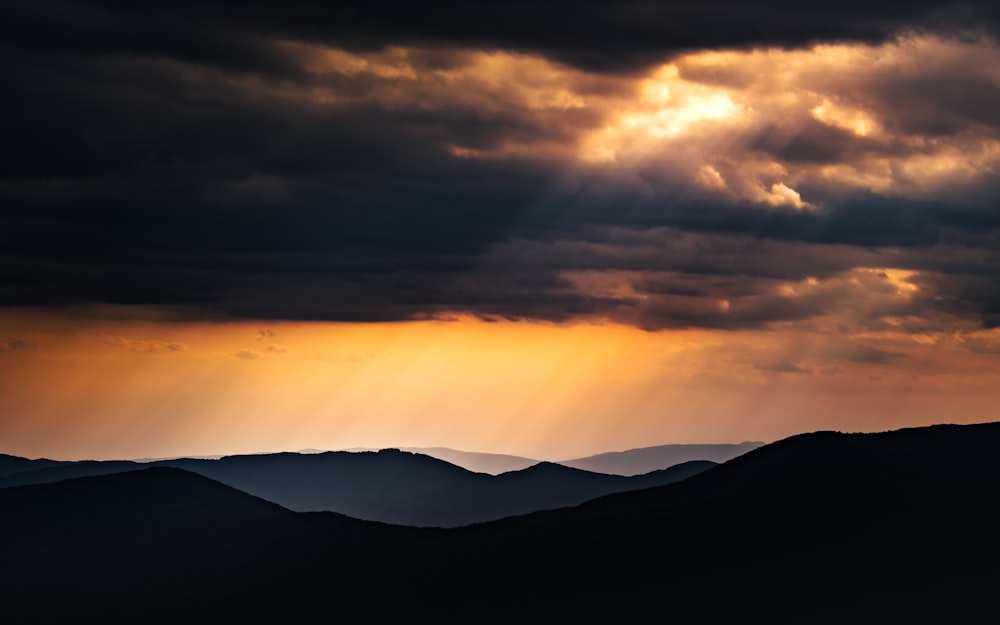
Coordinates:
(823, 527)
(818, 528)
(391, 486)
(156, 544)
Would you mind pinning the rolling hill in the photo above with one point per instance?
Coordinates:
(391, 486)
(819, 528)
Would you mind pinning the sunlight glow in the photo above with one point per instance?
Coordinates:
(155, 388)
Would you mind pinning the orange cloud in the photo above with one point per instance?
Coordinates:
(143, 345)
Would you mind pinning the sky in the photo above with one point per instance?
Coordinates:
(548, 229)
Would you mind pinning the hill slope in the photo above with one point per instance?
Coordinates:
(822, 527)
(404, 488)
(818, 528)
(391, 486)
(162, 544)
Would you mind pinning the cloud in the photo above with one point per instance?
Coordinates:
(655, 165)
(987, 342)
(10, 343)
(145, 346)
(728, 294)
(264, 334)
(253, 354)
(863, 354)
(780, 366)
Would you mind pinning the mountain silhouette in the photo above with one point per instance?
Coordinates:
(11, 465)
(159, 544)
(646, 459)
(632, 462)
(405, 488)
(391, 486)
(818, 528)
(478, 462)
(823, 528)
(57, 471)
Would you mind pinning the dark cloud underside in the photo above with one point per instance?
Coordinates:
(192, 155)
(604, 35)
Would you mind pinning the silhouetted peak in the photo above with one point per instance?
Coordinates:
(161, 492)
(550, 467)
(835, 460)
(553, 470)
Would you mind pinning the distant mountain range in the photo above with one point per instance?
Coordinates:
(818, 528)
(630, 462)
(10, 465)
(646, 459)
(494, 464)
(391, 486)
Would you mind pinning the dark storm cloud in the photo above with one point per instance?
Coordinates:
(602, 34)
(210, 157)
(864, 220)
(976, 293)
(667, 278)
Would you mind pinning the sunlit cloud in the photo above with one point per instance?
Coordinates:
(859, 299)
(777, 127)
(784, 128)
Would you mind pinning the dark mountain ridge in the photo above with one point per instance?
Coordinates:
(160, 541)
(390, 485)
(841, 526)
(404, 488)
(11, 465)
(818, 528)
